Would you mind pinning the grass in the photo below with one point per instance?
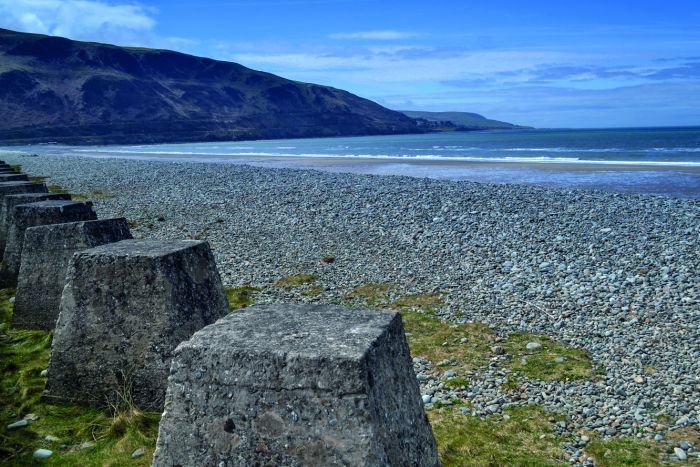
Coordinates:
(91, 195)
(690, 434)
(425, 302)
(464, 440)
(373, 294)
(452, 346)
(16, 167)
(91, 437)
(617, 452)
(457, 382)
(468, 346)
(542, 363)
(240, 297)
(57, 189)
(313, 291)
(296, 280)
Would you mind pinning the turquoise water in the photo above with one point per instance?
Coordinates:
(662, 161)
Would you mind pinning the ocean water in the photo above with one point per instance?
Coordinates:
(664, 161)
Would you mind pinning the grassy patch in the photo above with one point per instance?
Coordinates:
(464, 346)
(313, 291)
(91, 437)
(37, 179)
(457, 382)
(240, 297)
(691, 434)
(16, 167)
(91, 195)
(57, 189)
(616, 452)
(425, 302)
(552, 361)
(372, 294)
(465, 440)
(296, 280)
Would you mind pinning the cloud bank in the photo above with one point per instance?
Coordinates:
(79, 19)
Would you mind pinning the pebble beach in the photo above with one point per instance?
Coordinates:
(617, 275)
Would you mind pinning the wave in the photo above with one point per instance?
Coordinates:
(561, 150)
(406, 158)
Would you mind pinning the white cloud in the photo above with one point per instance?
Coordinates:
(79, 19)
(381, 35)
(401, 65)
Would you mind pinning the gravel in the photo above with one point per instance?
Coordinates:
(617, 275)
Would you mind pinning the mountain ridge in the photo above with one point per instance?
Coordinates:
(54, 89)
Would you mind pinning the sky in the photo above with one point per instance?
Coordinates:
(548, 64)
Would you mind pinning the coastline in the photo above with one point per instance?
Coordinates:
(613, 274)
(676, 178)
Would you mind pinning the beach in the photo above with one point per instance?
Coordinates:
(616, 275)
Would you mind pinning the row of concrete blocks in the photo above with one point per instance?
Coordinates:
(270, 385)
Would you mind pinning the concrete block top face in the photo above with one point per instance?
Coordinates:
(57, 205)
(312, 331)
(16, 198)
(144, 248)
(35, 213)
(293, 345)
(13, 177)
(7, 188)
(8, 202)
(81, 232)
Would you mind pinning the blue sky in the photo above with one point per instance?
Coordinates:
(546, 64)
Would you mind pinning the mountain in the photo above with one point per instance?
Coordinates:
(56, 89)
(456, 121)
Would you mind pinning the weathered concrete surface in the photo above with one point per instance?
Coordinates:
(45, 257)
(295, 385)
(7, 207)
(125, 308)
(11, 188)
(14, 177)
(31, 215)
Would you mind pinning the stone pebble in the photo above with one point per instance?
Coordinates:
(617, 275)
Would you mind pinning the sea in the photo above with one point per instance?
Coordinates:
(659, 161)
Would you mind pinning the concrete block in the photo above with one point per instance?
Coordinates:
(31, 215)
(7, 207)
(124, 309)
(295, 385)
(11, 188)
(45, 257)
(14, 177)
